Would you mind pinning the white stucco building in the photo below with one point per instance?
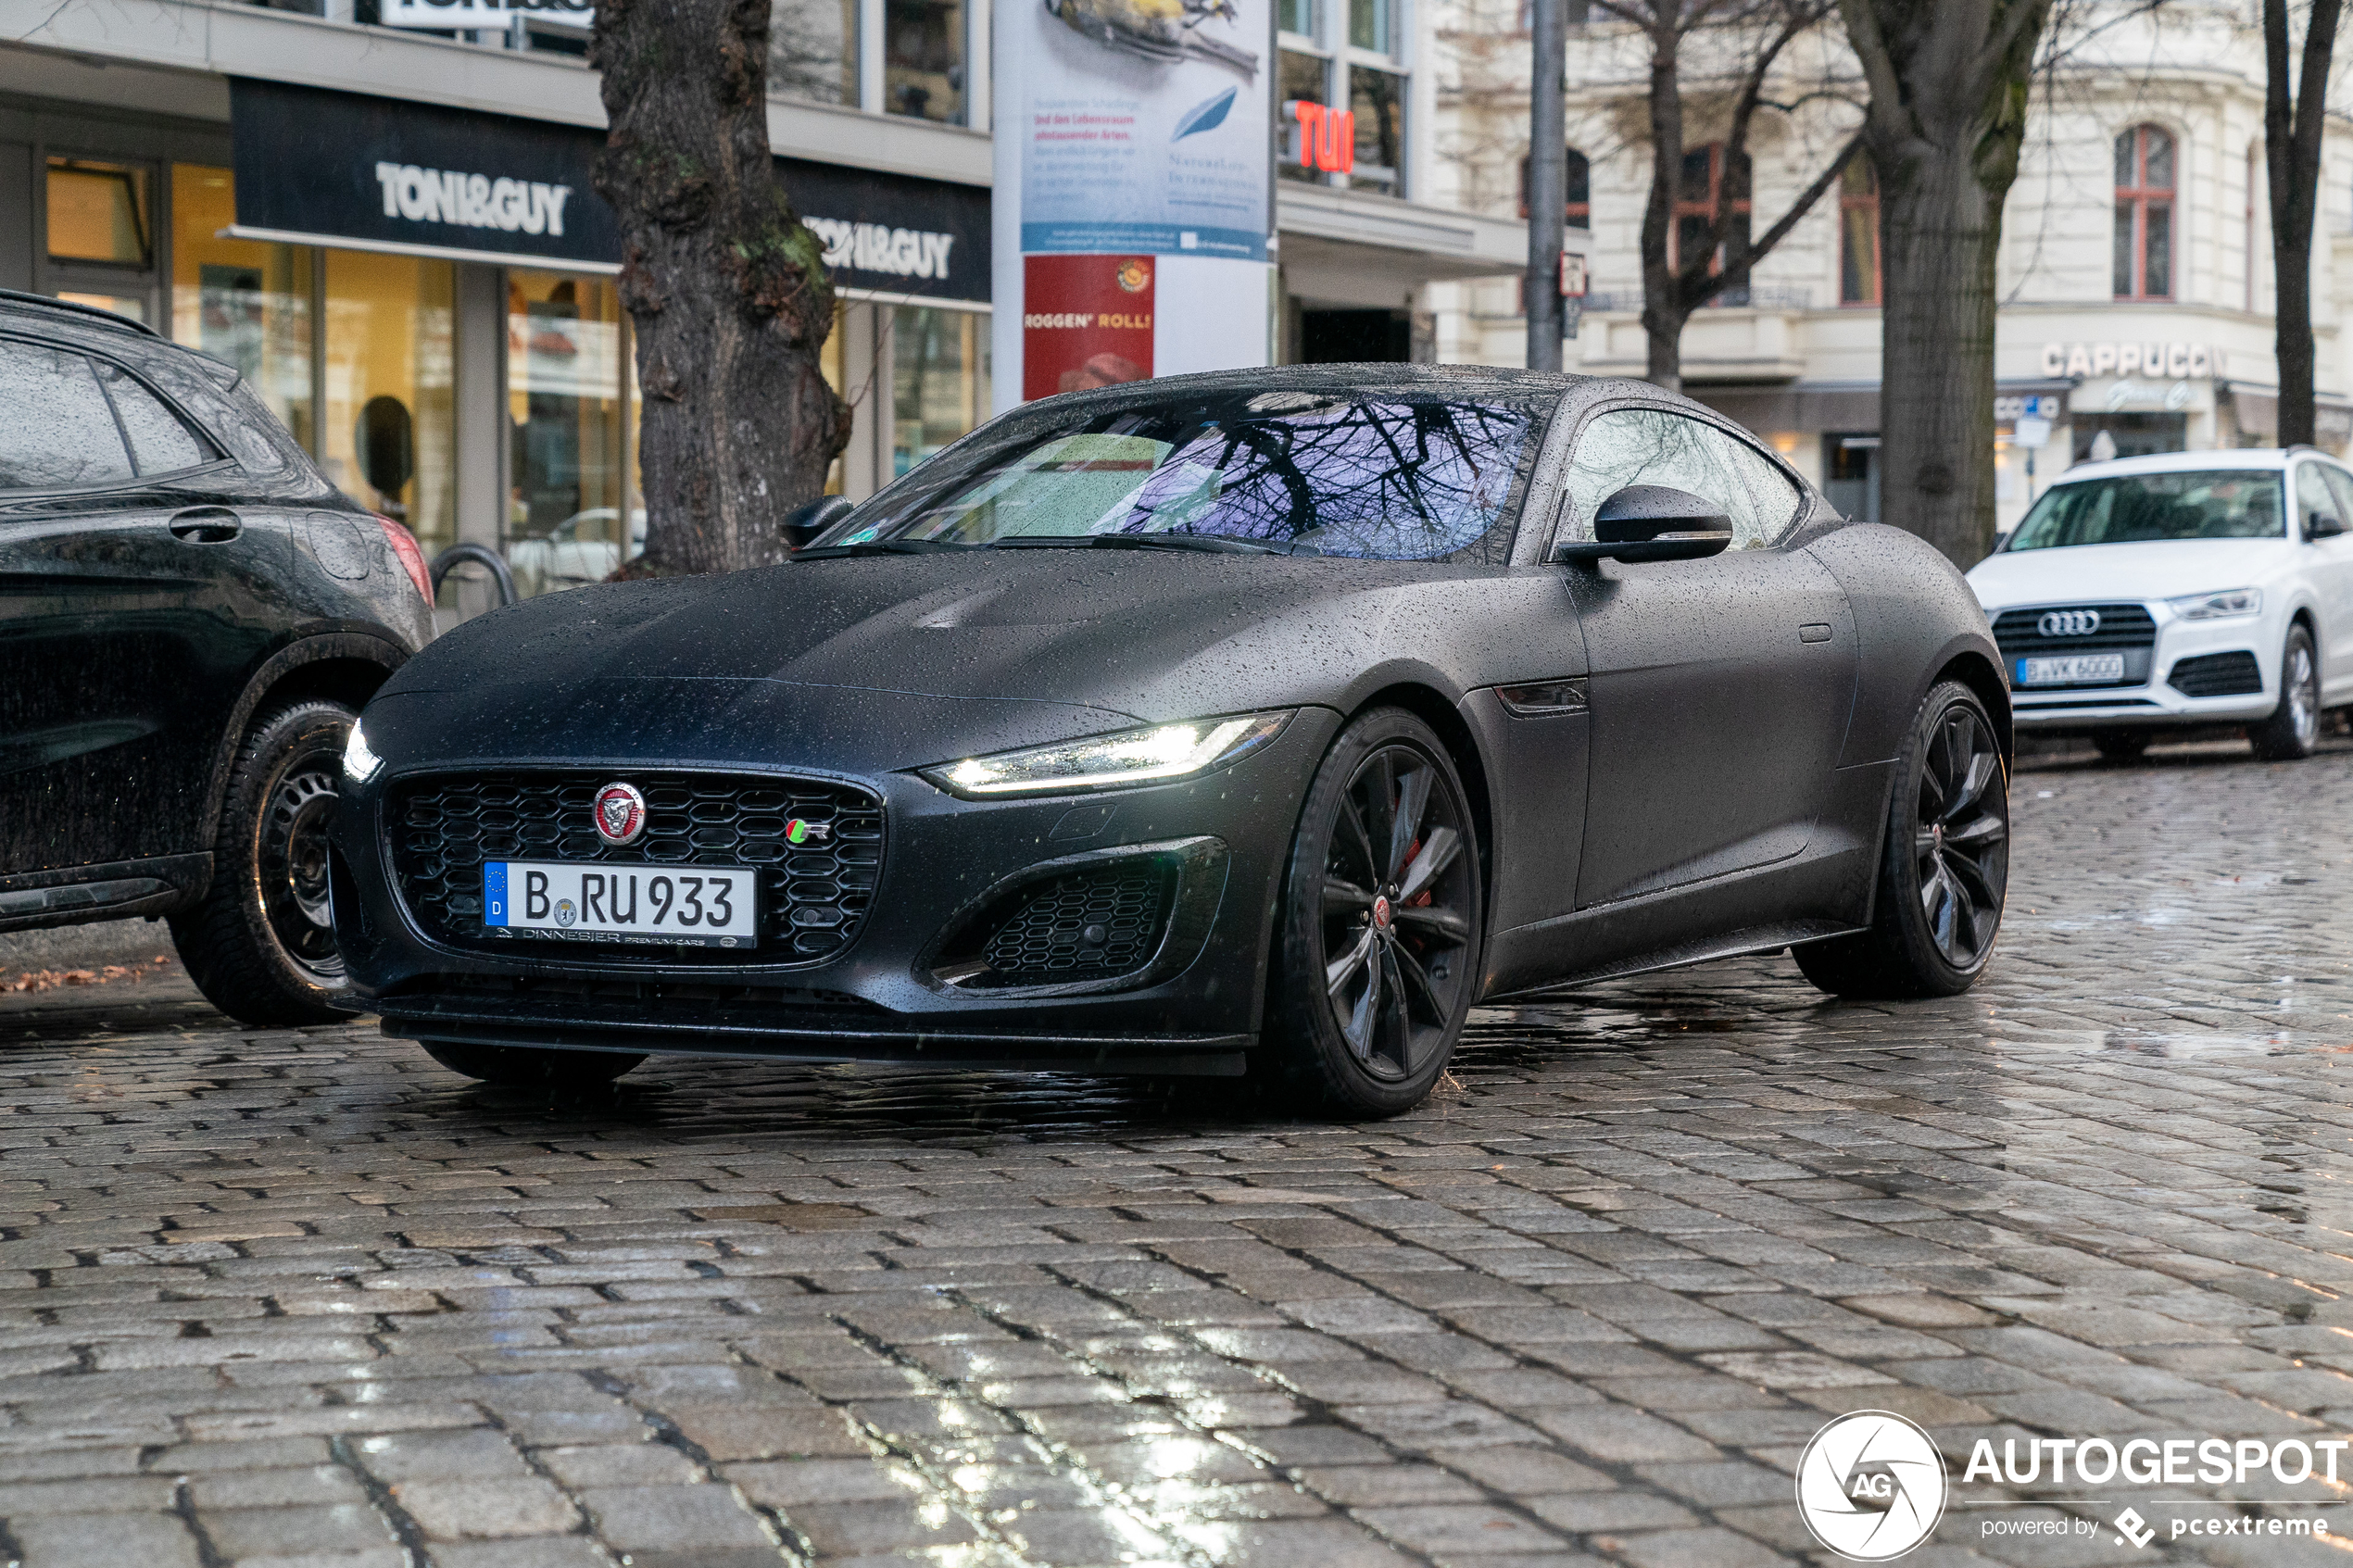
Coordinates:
(2135, 267)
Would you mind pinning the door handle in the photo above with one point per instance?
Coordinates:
(205, 525)
(1816, 633)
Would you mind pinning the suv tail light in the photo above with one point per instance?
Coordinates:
(404, 545)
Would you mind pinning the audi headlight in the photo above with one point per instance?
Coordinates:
(359, 764)
(1113, 762)
(2230, 602)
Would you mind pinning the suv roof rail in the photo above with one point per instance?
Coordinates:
(16, 297)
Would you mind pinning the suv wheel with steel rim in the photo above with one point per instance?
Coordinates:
(2293, 732)
(262, 946)
(1376, 956)
(1944, 865)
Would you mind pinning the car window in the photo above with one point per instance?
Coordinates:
(159, 443)
(2315, 499)
(233, 415)
(1387, 476)
(2142, 507)
(2341, 486)
(59, 432)
(1626, 447)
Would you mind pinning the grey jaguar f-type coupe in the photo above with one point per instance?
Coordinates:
(1261, 722)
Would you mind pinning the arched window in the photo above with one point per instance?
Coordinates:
(1580, 190)
(1857, 232)
(2145, 214)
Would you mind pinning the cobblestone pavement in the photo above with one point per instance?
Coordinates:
(303, 1298)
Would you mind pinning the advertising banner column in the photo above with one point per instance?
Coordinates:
(1134, 194)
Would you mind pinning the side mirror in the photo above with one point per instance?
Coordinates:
(2319, 525)
(803, 524)
(1650, 522)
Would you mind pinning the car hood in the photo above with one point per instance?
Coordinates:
(880, 660)
(2154, 569)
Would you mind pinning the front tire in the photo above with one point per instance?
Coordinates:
(261, 947)
(1383, 919)
(529, 1067)
(1943, 863)
(2293, 732)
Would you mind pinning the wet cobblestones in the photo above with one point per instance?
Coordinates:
(305, 1298)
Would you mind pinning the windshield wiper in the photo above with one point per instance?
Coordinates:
(880, 548)
(1212, 542)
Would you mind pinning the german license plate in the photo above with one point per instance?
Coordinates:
(708, 905)
(2070, 670)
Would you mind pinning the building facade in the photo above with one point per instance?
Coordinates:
(393, 232)
(2135, 270)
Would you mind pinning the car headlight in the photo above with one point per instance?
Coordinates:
(2218, 606)
(1113, 762)
(359, 764)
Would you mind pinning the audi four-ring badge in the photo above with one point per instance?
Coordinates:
(2180, 592)
(1259, 724)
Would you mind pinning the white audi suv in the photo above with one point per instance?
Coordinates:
(2188, 588)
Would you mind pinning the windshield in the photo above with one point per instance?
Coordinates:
(1383, 477)
(2130, 508)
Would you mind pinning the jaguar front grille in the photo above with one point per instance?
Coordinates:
(814, 894)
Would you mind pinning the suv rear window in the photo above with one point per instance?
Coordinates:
(2139, 508)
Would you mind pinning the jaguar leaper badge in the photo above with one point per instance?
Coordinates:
(620, 812)
(800, 831)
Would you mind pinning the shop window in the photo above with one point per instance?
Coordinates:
(1579, 183)
(939, 380)
(98, 212)
(386, 437)
(832, 363)
(1858, 272)
(569, 521)
(2144, 214)
(813, 50)
(1698, 189)
(924, 59)
(245, 303)
(1377, 98)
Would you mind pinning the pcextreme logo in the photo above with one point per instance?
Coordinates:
(1870, 1486)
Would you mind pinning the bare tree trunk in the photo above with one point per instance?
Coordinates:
(1948, 85)
(725, 288)
(2292, 154)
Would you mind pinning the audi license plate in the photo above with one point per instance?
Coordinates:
(709, 906)
(2071, 670)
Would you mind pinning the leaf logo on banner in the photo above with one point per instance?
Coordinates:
(1207, 115)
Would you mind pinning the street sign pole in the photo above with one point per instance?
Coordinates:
(1547, 180)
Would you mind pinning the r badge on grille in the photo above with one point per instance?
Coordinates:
(800, 831)
(620, 812)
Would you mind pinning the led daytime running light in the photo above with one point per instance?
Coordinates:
(2219, 606)
(1132, 756)
(359, 764)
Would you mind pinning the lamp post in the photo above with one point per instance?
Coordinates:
(1547, 180)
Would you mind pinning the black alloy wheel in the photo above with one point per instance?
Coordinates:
(1944, 866)
(262, 946)
(1378, 953)
(290, 860)
(2293, 732)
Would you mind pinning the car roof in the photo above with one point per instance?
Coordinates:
(2272, 457)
